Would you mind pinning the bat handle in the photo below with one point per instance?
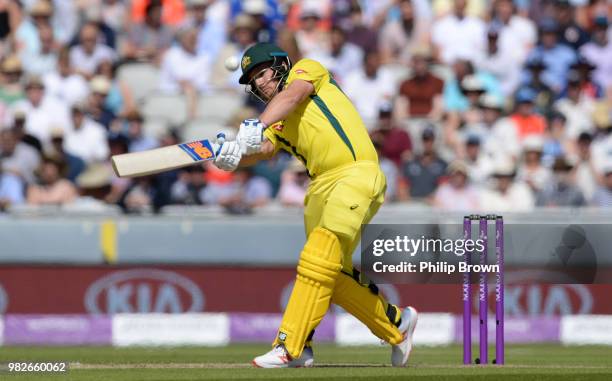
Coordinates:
(220, 141)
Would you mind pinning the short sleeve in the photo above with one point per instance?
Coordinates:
(271, 136)
(310, 71)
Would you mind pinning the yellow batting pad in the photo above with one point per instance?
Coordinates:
(317, 271)
(369, 308)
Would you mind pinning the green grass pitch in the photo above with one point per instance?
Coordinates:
(524, 362)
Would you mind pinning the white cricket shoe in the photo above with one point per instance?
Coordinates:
(401, 351)
(278, 357)
(306, 360)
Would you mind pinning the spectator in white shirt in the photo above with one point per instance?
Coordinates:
(599, 52)
(501, 62)
(586, 174)
(43, 111)
(370, 87)
(342, 58)
(458, 194)
(63, 83)
(507, 195)
(577, 107)
(17, 157)
(89, 53)
(86, 139)
(531, 171)
(518, 34)
(309, 37)
(45, 60)
(458, 36)
(183, 71)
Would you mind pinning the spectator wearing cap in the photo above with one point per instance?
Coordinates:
(602, 197)
(531, 169)
(505, 194)
(525, 118)
(587, 177)
(342, 58)
(501, 61)
(243, 34)
(370, 87)
(52, 188)
(599, 52)
(11, 189)
(557, 56)
(17, 157)
(120, 98)
(395, 143)
(454, 94)
(498, 136)
(147, 40)
(420, 96)
(424, 173)
(12, 89)
(63, 83)
(398, 38)
(74, 164)
(26, 35)
(212, 34)
(97, 108)
(576, 107)
(138, 140)
(545, 95)
(479, 165)
(570, 33)
(86, 139)
(310, 37)
(184, 71)
(582, 69)
(557, 141)
(562, 190)
(89, 53)
(457, 194)
(45, 60)
(94, 186)
(42, 110)
(457, 35)
(517, 34)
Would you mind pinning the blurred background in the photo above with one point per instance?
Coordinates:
(474, 106)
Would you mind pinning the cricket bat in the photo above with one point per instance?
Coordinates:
(163, 159)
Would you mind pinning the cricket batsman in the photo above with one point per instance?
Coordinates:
(309, 116)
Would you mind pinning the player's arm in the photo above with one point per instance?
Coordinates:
(286, 101)
(267, 152)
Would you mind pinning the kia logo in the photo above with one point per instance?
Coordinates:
(143, 291)
(3, 300)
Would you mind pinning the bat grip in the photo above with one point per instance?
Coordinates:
(220, 141)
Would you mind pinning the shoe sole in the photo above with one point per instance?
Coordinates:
(411, 326)
(414, 318)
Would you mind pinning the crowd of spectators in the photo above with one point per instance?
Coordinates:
(472, 105)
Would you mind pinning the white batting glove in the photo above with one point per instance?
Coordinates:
(229, 156)
(250, 136)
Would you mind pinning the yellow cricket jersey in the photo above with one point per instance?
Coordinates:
(325, 131)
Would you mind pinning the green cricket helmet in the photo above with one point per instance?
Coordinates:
(260, 53)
